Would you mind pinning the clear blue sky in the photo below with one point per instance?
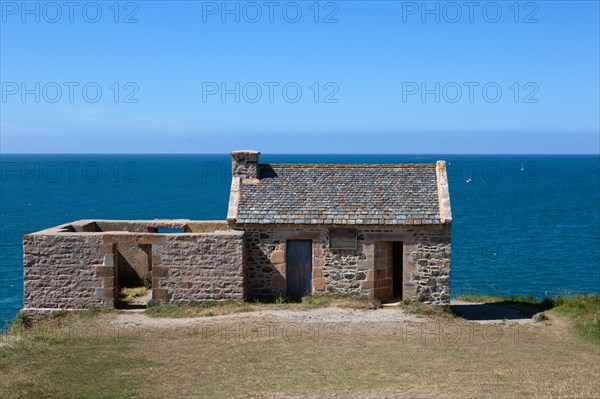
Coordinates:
(371, 67)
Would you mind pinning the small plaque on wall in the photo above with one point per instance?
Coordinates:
(342, 238)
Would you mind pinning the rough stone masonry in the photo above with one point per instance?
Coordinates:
(76, 265)
(378, 231)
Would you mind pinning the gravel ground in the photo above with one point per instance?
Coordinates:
(319, 315)
(484, 313)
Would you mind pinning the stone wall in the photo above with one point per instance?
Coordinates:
(333, 270)
(265, 260)
(347, 271)
(67, 268)
(199, 267)
(431, 253)
(60, 271)
(365, 271)
(425, 262)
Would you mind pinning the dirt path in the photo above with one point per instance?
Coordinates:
(472, 312)
(320, 315)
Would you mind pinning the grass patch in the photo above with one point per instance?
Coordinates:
(93, 312)
(53, 327)
(197, 308)
(252, 359)
(59, 314)
(280, 300)
(322, 300)
(215, 308)
(584, 310)
(481, 298)
(127, 295)
(315, 301)
(79, 360)
(339, 300)
(22, 322)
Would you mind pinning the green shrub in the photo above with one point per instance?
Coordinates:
(317, 300)
(127, 295)
(280, 300)
(147, 281)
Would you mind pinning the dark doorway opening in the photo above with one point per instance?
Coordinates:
(397, 255)
(133, 271)
(298, 268)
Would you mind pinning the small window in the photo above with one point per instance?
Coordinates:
(342, 238)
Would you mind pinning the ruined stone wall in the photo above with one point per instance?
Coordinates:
(426, 262)
(66, 269)
(199, 267)
(60, 271)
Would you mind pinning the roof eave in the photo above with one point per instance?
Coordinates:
(337, 225)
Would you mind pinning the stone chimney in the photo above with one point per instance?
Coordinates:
(244, 164)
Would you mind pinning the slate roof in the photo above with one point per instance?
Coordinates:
(390, 194)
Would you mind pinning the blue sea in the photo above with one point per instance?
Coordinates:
(522, 224)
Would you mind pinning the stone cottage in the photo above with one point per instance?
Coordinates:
(375, 230)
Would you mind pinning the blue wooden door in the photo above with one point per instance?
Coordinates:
(298, 268)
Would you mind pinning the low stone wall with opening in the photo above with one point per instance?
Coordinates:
(77, 265)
